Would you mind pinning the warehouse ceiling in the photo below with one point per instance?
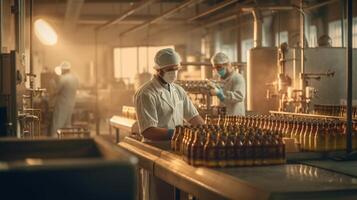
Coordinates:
(134, 17)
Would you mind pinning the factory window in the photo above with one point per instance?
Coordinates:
(334, 31)
(246, 45)
(281, 37)
(313, 36)
(132, 60)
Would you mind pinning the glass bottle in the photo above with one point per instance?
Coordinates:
(209, 151)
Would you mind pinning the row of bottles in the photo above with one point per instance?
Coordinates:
(312, 134)
(228, 146)
(334, 110)
(194, 86)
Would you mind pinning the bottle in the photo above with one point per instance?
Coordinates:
(179, 138)
(281, 149)
(305, 135)
(209, 151)
(197, 149)
(240, 155)
(230, 149)
(320, 138)
(248, 148)
(188, 146)
(184, 138)
(174, 138)
(301, 134)
(221, 150)
(257, 148)
(311, 135)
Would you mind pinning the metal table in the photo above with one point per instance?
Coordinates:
(290, 181)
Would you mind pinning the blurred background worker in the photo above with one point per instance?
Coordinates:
(324, 41)
(161, 104)
(65, 95)
(232, 93)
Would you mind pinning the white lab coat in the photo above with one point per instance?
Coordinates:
(158, 107)
(234, 91)
(65, 101)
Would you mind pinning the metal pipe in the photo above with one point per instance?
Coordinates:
(319, 5)
(126, 14)
(342, 9)
(257, 28)
(349, 77)
(166, 14)
(302, 54)
(213, 9)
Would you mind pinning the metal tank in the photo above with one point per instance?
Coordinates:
(330, 90)
(262, 71)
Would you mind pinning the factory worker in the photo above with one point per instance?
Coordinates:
(160, 106)
(232, 92)
(160, 103)
(65, 95)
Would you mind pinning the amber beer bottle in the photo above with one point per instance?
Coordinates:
(230, 153)
(239, 148)
(257, 148)
(320, 138)
(197, 149)
(281, 149)
(248, 147)
(179, 138)
(311, 136)
(188, 146)
(174, 138)
(183, 140)
(221, 150)
(209, 151)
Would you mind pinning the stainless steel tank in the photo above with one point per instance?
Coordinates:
(330, 90)
(262, 70)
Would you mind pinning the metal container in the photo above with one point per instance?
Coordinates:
(262, 71)
(90, 168)
(330, 90)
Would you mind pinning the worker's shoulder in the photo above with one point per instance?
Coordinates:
(145, 90)
(237, 77)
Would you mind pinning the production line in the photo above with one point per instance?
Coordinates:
(184, 99)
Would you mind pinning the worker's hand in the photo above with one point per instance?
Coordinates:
(218, 92)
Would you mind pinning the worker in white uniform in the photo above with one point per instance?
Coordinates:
(65, 95)
(160, 103)
(232, 92)
(160, 106)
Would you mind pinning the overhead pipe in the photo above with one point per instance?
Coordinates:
(213, 9)
(126, 14)
(258, 33)
(166, 14)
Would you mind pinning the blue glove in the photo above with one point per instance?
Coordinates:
(170, 133)
(219, 93)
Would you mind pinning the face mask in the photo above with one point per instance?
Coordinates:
(222, 72)
(170, 76)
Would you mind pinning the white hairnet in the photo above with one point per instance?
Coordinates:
(166, 57)
(219, 58)
(65, 65)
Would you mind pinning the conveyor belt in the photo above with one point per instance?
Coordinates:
(290, 181)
